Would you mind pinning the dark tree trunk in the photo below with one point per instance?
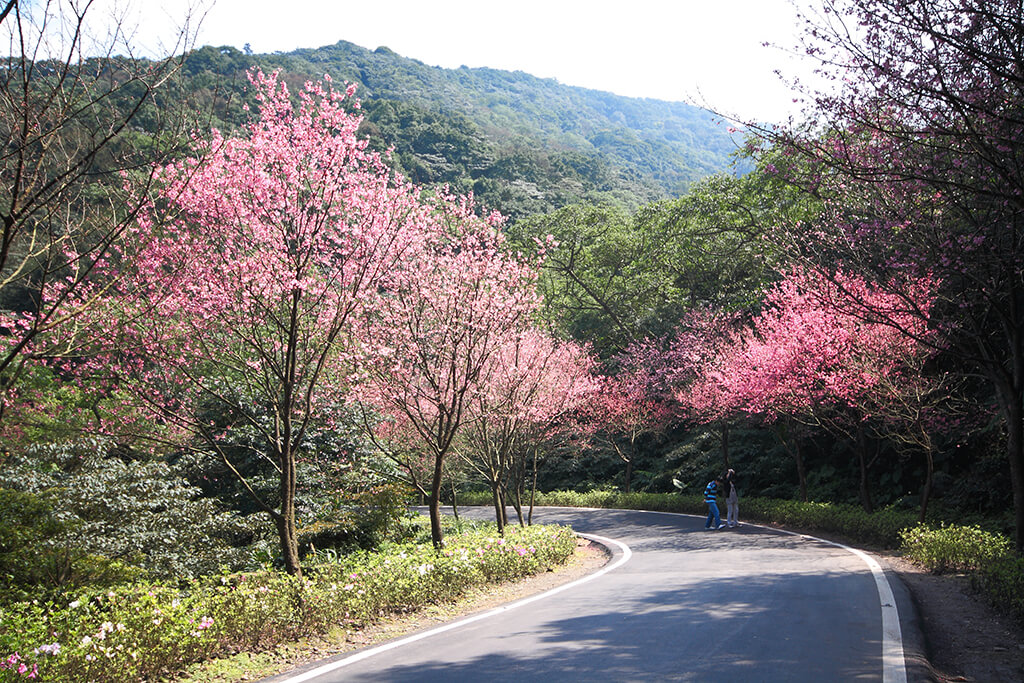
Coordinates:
(436, 534)
(1015, 453)
(801, 471)
(1010, 402)
(499, 506)
(725, 446)
(455, 499)
(926, 491)
(1010, 391)
(533, 487)
(862, 460)
(285, 521)
(793, 446)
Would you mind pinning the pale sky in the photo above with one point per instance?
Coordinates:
(700, 51)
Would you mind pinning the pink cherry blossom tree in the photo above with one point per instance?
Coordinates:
(233, 317)
(623, 414)
(808, 357)
(530, 390)
(440, 321)
(665, 371)
(917, 156)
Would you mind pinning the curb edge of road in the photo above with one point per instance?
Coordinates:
(915, 653)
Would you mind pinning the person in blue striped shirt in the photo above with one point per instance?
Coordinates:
(711, 498)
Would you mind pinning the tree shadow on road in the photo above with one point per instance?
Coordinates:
(737, 629)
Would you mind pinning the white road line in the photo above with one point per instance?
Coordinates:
(358, 657)
(894, 666)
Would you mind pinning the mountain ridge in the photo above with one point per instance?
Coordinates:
(527, 144)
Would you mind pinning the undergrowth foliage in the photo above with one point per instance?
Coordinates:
(149, 630)
(988, 558)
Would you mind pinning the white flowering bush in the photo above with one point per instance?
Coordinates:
(146, 631)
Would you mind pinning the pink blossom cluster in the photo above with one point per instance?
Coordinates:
(818, 342)
(19, 666)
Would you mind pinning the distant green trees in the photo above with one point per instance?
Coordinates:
(616, 277)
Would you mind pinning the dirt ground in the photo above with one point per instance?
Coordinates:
(965, 638)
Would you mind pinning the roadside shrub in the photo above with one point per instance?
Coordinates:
(362, 520)
(957, 548)
(140, 512)
(37, 560)
(150, 631)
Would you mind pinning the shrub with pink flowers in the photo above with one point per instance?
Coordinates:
(146, 631)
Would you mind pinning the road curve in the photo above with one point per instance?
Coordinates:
(676, 602)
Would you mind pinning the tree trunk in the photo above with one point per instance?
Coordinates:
(1010, 402)
(1015, 453)
(285, 522)
(725, 446)
(926, 491)
(533, 487)
(499, 506)
(801, 472)
(862, 460)
(517, 503)
(629, 473)
(794, 450)
(455, 499)
(436, 534)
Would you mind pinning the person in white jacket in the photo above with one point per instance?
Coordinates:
(732, 499)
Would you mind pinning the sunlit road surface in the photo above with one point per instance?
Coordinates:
(676, 602)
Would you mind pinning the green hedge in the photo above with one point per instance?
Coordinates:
(150, 631)
(881, 528)
(1003, 582)
(987, 557)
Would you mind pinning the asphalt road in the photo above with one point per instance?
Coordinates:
(676, 602)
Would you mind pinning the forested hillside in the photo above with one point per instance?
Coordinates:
(523, 145)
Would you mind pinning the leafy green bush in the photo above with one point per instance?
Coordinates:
(139, 512)
(361, 521)
(958, 548)
(988, 557)
(149, 631)
(36, 559)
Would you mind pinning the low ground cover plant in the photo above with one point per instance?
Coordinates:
(953, 547)
(149, 630)
(987, 557)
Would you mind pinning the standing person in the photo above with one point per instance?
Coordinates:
(711, 498)
(732, 500)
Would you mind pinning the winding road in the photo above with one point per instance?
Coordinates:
(676, 602)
